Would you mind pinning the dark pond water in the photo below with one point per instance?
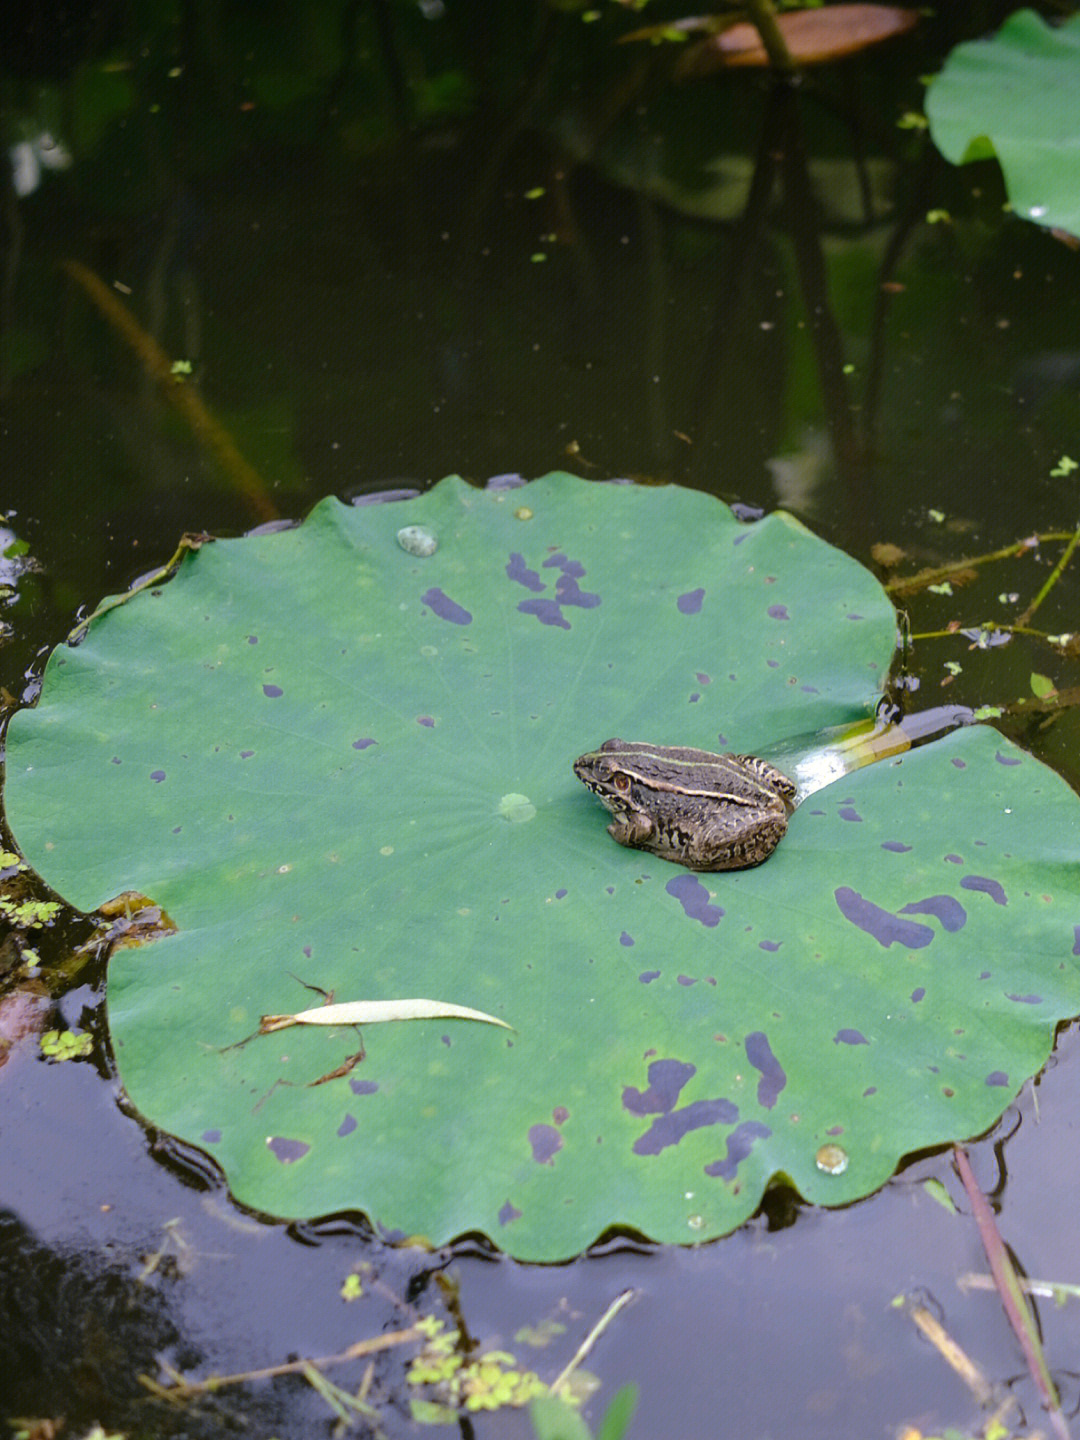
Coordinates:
(473, 246)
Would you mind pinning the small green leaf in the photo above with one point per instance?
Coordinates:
(554, 1419)
(618, 1415)
(936, 1191)
(1042, 687)
(1065, 466)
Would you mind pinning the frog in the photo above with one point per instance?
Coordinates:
(698, 809)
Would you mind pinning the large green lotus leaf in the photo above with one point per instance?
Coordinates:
(337, 763)
(1015, 96)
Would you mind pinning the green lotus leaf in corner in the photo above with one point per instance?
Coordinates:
(342, 764)
(1015, 96)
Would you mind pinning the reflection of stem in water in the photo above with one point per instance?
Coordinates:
(801, 211)
(208, 431)
(781, 154)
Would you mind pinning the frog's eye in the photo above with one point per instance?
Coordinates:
(621, 781)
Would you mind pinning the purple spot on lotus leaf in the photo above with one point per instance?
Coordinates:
(773, 664)
(945, 908)
(1025, 999)
(428, 720)
(558, 559)
(702, 679)
(739, 1144)
(997, 1077)
(116, 760)
(246, 754)
(850, 1037)
(211, 1137)
(363, 1087)
(919, 993)
(519, 571)
(446, 609)
(625, 939)
(778, 612)
(253, 639)
(546, 1143)
(853, 617)
(694, 899)
(666, 1080)
(648, 976)
(848, 812)
(347, 1126)
(770, 945)
(1007, 759)
(285, 1150)
(809, 690)
(895, 846)
(560, 894)
(886, 928)
(954, 859)
(560, 1114)
(693, 699)
(690, 603)
(546, 611)
(569, 592)
(364, 743)
(984, 886)
(273, 692)
(670, 1129)
(1076, 940)
(960, 764)
(508, 1213)
(157, 776)
(773, 1077)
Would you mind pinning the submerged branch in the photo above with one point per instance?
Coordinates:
(206, 429)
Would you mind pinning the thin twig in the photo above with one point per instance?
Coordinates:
(1052, 579)
(1056, 1290)
(560, 1383)
(182, 1388)
(903, 584)
(1011, 1295)
(953, 1354)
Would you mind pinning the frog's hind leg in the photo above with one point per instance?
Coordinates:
(772, 777)
(753, 844)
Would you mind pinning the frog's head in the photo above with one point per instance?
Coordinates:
(604, 772)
